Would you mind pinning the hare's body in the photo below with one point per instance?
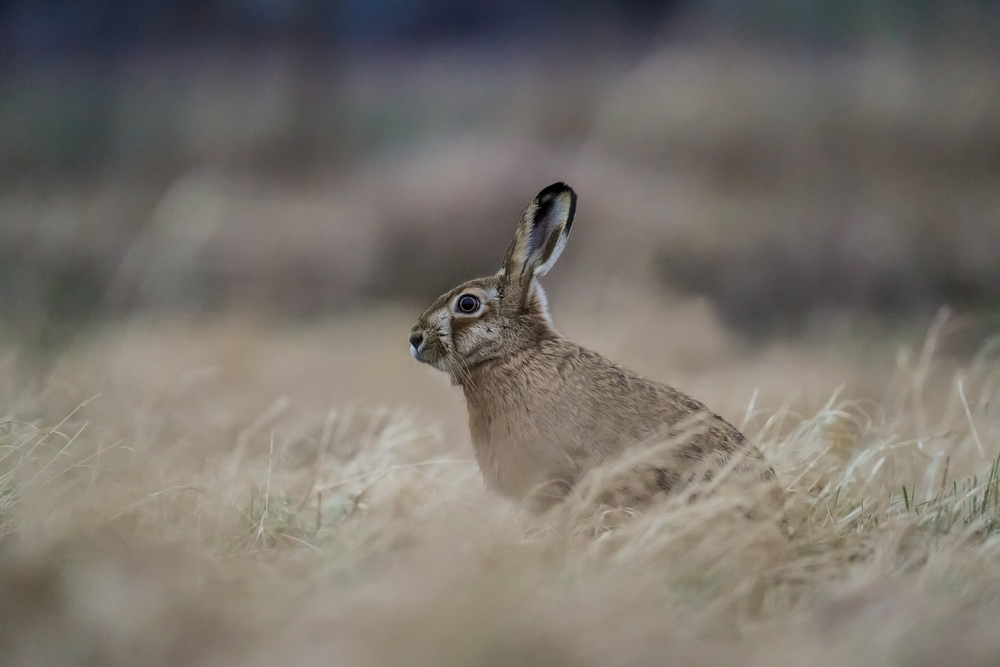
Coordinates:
(543, 411)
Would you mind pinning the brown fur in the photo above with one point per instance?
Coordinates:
(544, 411)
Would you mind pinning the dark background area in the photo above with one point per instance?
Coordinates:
(54, 28)
(296, 158)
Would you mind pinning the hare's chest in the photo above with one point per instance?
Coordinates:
(507, 456)
(522, 437)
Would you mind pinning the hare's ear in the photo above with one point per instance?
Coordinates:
(541, 235)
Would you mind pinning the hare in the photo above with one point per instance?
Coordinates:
(543, 411)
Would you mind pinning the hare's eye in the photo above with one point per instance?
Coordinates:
(467, 304)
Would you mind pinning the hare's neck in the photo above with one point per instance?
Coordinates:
(496, 397)
(495, 379)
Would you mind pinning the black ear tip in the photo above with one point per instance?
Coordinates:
(549, 194)
(555, 190)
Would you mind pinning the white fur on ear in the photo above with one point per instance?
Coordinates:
(535, 289)
(542, 269)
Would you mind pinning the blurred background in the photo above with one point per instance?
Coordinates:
(298, 159)
(220, 218)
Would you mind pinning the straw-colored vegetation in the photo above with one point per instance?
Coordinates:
(226, 493)
(236, 491)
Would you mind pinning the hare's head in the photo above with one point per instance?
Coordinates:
(493, 317)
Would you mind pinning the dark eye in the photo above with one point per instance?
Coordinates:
(468, 304)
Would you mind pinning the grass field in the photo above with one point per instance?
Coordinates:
(291, 488)
(232, 491)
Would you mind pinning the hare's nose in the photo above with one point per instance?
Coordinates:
(416, 340)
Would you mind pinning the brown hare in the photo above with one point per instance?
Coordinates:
(544, 411)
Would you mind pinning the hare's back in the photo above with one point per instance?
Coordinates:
(665, 440)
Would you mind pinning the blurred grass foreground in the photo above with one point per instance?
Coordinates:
(218, 221)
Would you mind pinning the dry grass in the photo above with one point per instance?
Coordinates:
(213, 493)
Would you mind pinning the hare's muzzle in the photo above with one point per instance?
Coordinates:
(416, 342)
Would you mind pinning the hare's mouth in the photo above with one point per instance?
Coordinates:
(429, 352)
(421, 355)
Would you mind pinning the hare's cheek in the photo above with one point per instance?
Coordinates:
(472, 337)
